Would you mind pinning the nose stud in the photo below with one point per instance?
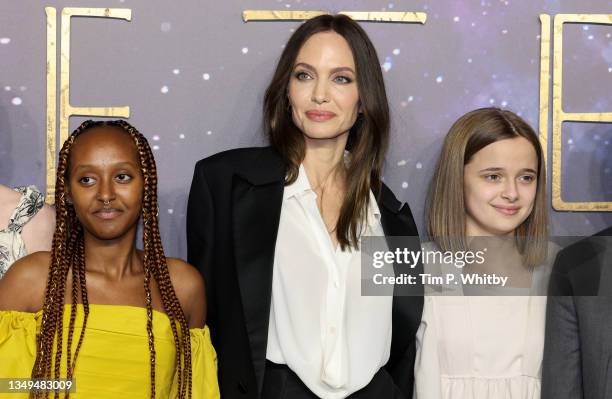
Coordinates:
(105, 202)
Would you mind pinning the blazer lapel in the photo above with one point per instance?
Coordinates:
(257, 194)
(397, 221)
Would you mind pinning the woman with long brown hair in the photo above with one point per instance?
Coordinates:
(116, 321)
(277, 232)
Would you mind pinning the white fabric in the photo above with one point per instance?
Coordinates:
(484, 347)
(480, 347)
(12, 246)
(321, 327)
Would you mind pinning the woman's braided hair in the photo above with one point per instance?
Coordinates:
(68, 253)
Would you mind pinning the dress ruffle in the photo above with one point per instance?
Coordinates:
(522, 386)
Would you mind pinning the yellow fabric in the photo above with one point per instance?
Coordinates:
(114, 360)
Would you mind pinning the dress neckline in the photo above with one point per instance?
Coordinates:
(108, 306)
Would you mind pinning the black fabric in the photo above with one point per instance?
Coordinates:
(232, 222)
(281, 382)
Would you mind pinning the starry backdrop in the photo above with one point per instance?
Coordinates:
(193, 74)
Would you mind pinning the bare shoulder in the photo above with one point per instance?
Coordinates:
(190, 290)
(186, 279)
(23, 286)
(38, 232)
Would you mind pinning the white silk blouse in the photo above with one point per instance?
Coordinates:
(321, 327)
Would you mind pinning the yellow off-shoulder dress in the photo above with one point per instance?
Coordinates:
(114, 360)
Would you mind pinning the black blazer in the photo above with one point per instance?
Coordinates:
(232, 222)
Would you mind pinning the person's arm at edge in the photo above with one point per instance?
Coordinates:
(38, 233)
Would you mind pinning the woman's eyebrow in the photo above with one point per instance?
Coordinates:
(117, 164)
(334, 70)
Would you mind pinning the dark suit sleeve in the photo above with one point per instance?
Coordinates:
(562, 364)
(559, 284)
(200, 236)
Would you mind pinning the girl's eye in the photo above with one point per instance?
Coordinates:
(528, 178)
(493, 177)
(301, 75)
(343, 79)
(87, 180)
(123, 177)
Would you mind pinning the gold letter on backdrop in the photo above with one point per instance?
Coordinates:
(51, 100)
(544, 82)
(66, 109)
(559, 116)
(374, 16)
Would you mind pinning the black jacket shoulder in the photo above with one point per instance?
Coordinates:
(259, 165)
(235, 157)
(263, 165)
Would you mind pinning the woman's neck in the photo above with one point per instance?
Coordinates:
(115, 259)
(324, 159)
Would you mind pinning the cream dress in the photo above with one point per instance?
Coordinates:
(482, 347)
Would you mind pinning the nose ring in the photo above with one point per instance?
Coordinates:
(105, 202)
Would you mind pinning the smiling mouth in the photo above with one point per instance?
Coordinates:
(320, 116)
(506, 210)
(108, 214)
